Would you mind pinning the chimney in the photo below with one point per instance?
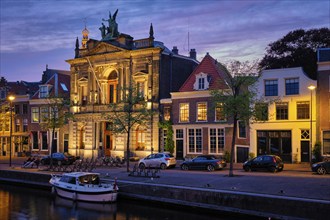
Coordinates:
(192, 54)
(175, 50)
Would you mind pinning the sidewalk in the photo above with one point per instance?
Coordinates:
(296, 180)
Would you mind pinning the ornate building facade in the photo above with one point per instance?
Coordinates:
(101, 70)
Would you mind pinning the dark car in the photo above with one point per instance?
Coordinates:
(58, 159)
(204, 162)
(321, 167)
(271, 163)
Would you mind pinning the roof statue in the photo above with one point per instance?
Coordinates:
(111, 31)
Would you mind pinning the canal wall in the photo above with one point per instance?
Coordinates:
(280, 207)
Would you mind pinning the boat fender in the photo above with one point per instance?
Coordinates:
(74, 196)
(115, 188)
(53, 190)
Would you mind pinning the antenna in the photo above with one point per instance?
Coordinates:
(188, 42)
(85, 21)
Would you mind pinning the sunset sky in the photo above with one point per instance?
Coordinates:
(35, 33)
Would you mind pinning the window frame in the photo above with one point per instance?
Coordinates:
(271, 89)
(282, 110)
(201, 112)
(35, 115)
(195, 141)
(184, 112)
(303, 112)
(292, 86)
(216, 140)
(242, 133)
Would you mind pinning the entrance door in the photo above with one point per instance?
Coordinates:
(242, 154)
(304, 149)
(179, 149)
(108, 144)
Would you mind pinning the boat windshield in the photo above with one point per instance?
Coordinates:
(90, 179)
(68, 179)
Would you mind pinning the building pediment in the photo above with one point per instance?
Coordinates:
(103, 48)
(82, 79)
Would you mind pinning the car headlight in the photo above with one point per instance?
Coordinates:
(315, 165)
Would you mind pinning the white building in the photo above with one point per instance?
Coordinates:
(285, 127)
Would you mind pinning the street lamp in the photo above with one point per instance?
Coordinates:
(311, 88)
(11, 98)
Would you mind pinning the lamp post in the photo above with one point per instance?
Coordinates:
(11, 98)
(311, 88)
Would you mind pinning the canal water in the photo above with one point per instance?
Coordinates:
(17, 203)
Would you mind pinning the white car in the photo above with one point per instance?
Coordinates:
(158, 160)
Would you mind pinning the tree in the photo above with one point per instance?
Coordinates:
(237, 101)
(169, 142)
(57, 116)
(297, 48)
(130, 111)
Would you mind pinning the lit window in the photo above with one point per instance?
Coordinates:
(302, 110)
(140, 89)
(18, 125)
(202, 111)
(184, 112)
(217, 140)
(271, 88)
(167, 113)
(219, 112)
(292, 86)
(282, 111)
(35, 114)
(140, 138)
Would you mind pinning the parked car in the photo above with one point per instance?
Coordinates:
(204, 162)
(161, 160)
(58, 159)
(321, 167)
(271, 163)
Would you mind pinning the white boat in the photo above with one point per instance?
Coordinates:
(84, 186)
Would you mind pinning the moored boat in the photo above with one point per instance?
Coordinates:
(84, 186)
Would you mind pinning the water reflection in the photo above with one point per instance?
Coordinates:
(18, 203)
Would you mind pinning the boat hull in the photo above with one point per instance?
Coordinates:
(104, 196)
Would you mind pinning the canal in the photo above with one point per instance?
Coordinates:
(17, 203)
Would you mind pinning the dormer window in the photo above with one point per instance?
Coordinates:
(202, 81)
(44, 91)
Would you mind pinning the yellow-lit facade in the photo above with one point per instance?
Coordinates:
(291, 115)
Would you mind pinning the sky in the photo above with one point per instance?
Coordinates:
(36, 33)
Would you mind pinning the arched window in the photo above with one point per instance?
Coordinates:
(140, 138)
(113, 87)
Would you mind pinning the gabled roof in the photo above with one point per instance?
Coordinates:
(213, 69)
(61, 85)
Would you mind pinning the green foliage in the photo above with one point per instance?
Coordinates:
(297, 48)
(238, 99)
(58, 113)
(226, 156)
(251, 155)
(130, 111)
(317, 151)
(169, 143)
